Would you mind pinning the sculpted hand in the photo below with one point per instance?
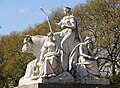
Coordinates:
(63, 27)
(56, 23)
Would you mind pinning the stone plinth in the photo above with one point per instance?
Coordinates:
(59, 85)
(64, 78)
(101, 81)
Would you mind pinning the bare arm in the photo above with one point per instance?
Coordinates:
(60, 23)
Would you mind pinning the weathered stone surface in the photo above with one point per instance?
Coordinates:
(64, 77)
(101, 81)
(58, 85)
(29, 86)
(48, 80)
(67, 78)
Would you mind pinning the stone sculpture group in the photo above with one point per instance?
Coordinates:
(60, 56)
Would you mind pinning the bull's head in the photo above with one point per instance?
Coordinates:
(28, 43)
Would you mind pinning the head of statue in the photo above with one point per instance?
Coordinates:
(67, 10)
(88, 39)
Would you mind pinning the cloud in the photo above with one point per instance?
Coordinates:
(22, 10)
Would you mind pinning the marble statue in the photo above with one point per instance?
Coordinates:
(69, 32)
(50, 56)
(85, 65)
(61, 56)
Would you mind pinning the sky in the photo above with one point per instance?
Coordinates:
(17, 15)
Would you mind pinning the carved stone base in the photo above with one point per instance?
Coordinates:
(58, 85)
(64, 78)
(101, 81)
(48, 80)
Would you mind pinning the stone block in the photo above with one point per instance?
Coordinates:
(60, 85)
(35, 85)
(48, 80)
(101, 81)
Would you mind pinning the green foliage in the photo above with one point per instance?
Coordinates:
(12, 60)
(115, 81)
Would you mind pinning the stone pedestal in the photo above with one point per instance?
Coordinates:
(59, 85)
(65, 82)
(36, 85)
(100, 81)
(64, 78)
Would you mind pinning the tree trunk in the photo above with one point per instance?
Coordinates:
(113, 69)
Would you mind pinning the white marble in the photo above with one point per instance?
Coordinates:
(61, 57)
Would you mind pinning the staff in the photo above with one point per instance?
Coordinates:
(47, 19)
